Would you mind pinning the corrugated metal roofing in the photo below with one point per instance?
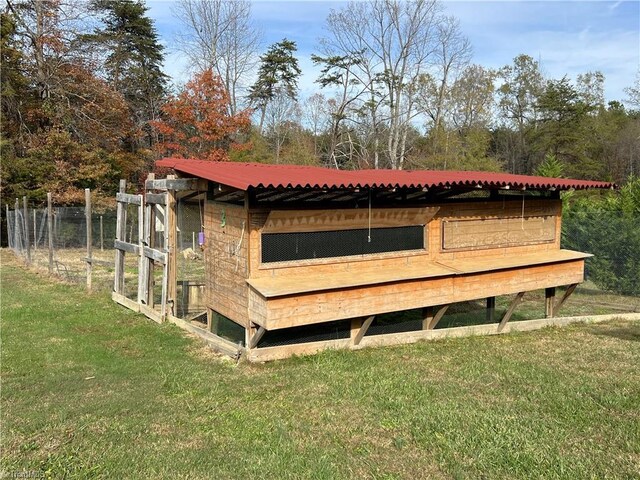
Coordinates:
(256, 175)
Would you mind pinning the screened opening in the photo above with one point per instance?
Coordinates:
(226, 328)
(283, 247)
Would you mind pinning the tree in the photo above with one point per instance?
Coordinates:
(196, 122)
(278, 75)
(518, 96)
(633, 92)
(396, 44)
(219, 35)
(133, 59)
(561, 126)
(550, 167)
(338, 72)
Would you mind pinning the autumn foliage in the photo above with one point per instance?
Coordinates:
(197, 124)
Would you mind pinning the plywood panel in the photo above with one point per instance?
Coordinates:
(497, 232)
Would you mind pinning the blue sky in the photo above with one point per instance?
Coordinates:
(567, 37)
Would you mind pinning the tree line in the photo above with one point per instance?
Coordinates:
(85, 101)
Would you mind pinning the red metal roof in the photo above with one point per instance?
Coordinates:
(256, 175)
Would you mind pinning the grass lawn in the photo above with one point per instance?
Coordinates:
(92, 390)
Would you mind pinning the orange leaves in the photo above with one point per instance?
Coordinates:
(197, 122)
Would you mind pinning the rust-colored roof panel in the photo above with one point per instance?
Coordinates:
(255, 175)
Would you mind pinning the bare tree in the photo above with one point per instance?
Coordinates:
(219, 34)
(281, 115)
(396, 43)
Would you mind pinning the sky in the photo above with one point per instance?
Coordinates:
(567, 37)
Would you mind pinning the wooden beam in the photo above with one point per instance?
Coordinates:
(125, 247)
(491, 309)
(361, 332)
(129, 198)
(549, 299)
(50, 229)
(156, 198)
(256, 337)
(510, 311)
(567, 293)
(176, 184)
(155, 255)
(438, 316)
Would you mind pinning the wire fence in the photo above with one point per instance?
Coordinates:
(56, 240)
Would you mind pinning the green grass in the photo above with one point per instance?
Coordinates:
(91, 390)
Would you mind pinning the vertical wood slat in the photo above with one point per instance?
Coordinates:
(142, 274)
(101, 235)
(50, 229)
(166, 245)
(25, 221)
(118, 285)
(148, 240)
(87, 216)
(172, 250)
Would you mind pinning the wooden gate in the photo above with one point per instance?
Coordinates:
(156, 246)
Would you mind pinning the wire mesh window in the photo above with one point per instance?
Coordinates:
(283, 247)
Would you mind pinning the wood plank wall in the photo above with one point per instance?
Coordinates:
(542, 220)
(226, 266)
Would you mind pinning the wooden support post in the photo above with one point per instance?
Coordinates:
(172, 261)
(35, 234)
(25, 221)
(256, 337)
(427, 317)
(356, 323)
(17, 238)
(87, 217)
(121, 219)
(101, 235)
(491, 309)
(567, 293)
(510, 311)
(9, 232)
(362, 327)
(50, 230)
(549, 299)
(438, 316)
(142, 261)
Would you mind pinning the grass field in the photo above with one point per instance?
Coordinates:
(91, 390)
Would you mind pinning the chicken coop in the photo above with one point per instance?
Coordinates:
(298, 259)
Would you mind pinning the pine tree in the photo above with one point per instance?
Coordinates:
(278, 74)
(134, 59)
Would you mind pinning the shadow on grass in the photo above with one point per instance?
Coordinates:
(630, 332)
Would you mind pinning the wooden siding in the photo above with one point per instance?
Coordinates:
(316, 307)
(226, 263)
